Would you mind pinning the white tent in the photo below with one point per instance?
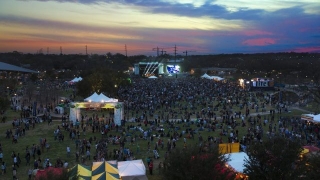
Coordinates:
(152, 77)
(77, 79)
(100, 98)
(92, 98)
(311, 117)
(59, 110)
(104, 98)
(216, 78)
(132, 170)
(237, 160)
(205, 76)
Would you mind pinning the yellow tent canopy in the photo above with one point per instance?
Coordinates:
(100, 167)
(106, 175)
(81, 171)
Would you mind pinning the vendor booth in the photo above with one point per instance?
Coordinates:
(97, 101)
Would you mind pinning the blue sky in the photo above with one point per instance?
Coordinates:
(203, 26)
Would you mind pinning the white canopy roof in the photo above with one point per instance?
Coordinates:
(311, 117)
(100, 98)
(237, 160)
(92, 97)
(217, 78)
(205, 75)
(104, 98)
(131, 168)
(77, 79)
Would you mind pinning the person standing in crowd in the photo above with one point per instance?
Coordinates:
(14, 172)
(68, 151)
(148, 160)
(65, 165)
(160, 167)
(3, 168)
(88, 154)
(150, 167)
(30, 173)
(28, 158)
(35, 164)
(138, 149)
(15, 161)
(1, 156)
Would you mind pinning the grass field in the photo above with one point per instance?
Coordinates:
(58, 149)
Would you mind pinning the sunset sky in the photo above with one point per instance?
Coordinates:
(201, 26)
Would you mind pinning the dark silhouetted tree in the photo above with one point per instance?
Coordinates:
(275, 158)
(191, 163)
(313, 164)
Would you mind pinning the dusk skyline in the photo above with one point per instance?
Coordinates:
(202, 26)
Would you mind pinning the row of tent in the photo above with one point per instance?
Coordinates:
(216, 78)
(99, 98)
(110, 170)
(106, 170)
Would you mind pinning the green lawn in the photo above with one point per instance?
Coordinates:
(58, 149)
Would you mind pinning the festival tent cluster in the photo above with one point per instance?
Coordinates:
(110, 170)
(99, 98)
(311, 117)
(216, 78)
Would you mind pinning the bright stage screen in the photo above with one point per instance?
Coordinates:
(173, 69)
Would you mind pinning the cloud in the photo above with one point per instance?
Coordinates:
(207, 26)
(315, 49)
(259, 42)
(236, 9)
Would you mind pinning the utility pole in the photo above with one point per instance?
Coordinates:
(86, 50)
(175, 58)
(162, 51)
(125, 49)
(186, 52)
(156, 49)
(60, 50)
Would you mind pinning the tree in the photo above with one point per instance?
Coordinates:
(275, 158)
(30, 90)
(193, 163)
(102, 80)
(315, 94)
(4, 103)
(313, 164)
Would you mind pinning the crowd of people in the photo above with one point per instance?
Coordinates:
(162, 112)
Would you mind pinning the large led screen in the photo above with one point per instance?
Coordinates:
(173, 69)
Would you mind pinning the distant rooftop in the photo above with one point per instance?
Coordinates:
(10, 67)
